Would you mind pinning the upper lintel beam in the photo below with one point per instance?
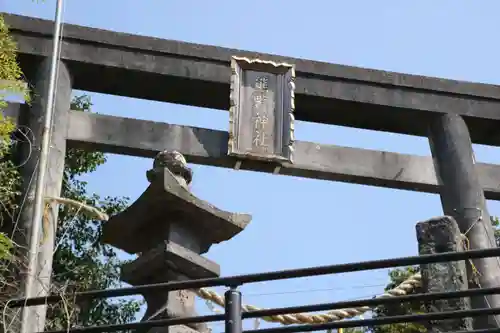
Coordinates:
(199, 75)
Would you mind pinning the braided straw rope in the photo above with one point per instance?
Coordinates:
(93, 211)
(405, 288)
(98, 214)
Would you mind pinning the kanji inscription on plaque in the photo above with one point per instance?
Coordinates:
(261, 113)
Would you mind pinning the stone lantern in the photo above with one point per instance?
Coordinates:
(169, 227)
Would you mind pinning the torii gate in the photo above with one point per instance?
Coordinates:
(451, 114)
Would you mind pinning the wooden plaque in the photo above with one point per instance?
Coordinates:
(261, 113)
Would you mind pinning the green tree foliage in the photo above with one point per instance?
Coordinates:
(9, 179)
(80, 261)
(11, 76)
(10, 84)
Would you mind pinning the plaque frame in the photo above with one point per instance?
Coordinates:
(286, 118)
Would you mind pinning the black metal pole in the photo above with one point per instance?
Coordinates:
(233, 311)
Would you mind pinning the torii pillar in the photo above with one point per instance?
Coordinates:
(170, 228)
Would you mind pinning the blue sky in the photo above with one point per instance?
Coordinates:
(302, 222)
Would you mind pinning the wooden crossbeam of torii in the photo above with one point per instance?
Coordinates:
(199, 75)
(145, 138)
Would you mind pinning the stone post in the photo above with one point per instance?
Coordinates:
(170, 228)
(33, 118)
(440, 235)
(462, 197)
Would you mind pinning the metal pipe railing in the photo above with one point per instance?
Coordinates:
(236, 302)
(381, 321)
(232, 281)
(296, 328)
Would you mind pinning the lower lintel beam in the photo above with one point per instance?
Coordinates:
(127, 136)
